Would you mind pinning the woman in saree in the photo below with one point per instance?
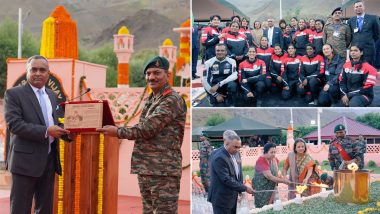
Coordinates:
(266, 176)
(301, 168)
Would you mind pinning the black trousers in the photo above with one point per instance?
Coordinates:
(256, 86)
(287, 94)
(223, 210)
(311, 90)
(25, 187)
(331, 96)
(360, 101)
(194, 60)
(229, 90)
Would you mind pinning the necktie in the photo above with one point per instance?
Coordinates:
(43, 106)
(235, 166)
(44, 110)
(360, 23)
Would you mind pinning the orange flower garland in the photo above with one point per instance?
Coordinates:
(61, 178)
(78, 143)
(59, 35)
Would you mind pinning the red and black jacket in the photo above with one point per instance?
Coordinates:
(357, 79)
(253, 69)
(301, 38)
(312, 67)
(236, 44)
(277, 65)
(265, 54)
(292, 67)
(317, 41)
(209, 38)
(248, 34)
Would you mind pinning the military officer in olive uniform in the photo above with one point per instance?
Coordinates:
(337, 33)
(362, 149)
(156, 157)
(342, 150)
(205, 150)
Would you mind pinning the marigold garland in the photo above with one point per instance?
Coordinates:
(59, 35)
(101, 173)
(194, 178)
(78, 143)
(61, 178)
(127, 118)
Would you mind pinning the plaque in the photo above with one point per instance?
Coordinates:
(87, 115)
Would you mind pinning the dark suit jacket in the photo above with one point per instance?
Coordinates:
(277, 37)
(28, 146)
(370, 32)
(224, 187)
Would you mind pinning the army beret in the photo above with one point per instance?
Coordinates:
(157, 62)
(339, 127)
(336, 9)
(324, 177)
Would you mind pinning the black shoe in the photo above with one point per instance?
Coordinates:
(195, 77)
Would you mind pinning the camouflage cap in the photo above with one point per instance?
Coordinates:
(157, 62)
(339, 127)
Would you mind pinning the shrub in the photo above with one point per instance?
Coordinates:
(325, 163)
(215, 119)
(371, 164)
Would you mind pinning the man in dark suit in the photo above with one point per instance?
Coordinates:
(274, 34)
(226, 175)
(194, 51)
(33, 157)
(365, 31)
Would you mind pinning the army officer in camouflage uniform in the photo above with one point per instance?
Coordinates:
(342, 150)
(156, 157)
(205, 150)
(337, 33)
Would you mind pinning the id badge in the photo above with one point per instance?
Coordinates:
(356, 30)
(336, 34)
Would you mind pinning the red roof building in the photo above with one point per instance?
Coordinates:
(353, 129)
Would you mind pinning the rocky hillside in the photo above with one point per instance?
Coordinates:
(263, 9)
(93, 17)
(275, 117)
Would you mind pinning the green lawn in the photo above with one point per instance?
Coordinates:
(328, 205)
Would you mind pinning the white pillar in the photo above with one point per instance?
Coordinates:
(19, 49)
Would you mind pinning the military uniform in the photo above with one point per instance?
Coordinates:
(156, 156)
(338, 36)
(361, 148)
(335, 158)
(205, 150)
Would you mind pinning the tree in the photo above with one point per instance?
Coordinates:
(215, 119)
(8, 47)
(371, 119)
(137, 64)
(104, 56)
(303, 131)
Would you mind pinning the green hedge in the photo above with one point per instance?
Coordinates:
(328, 205)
